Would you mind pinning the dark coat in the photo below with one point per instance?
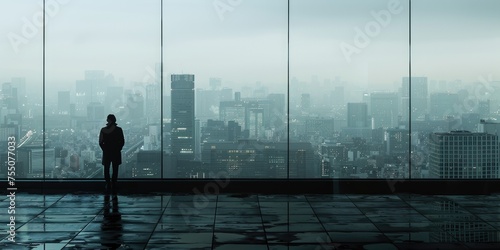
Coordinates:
(111, 141)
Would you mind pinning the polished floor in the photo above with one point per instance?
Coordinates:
(251, 221)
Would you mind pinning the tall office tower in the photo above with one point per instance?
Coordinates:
(153, 103)
(463, 155)
(19, 83)
(443, 105)
(148, 164)
(95, 112)
(9, 96)
(397, 142)
(384, 109)
(235, 110)
(419, 98)
(183, 123)
(357, 115)
(305, 103)
(207, 104)
(91, 89)
(63, 102)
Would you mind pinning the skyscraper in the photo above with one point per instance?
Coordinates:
(183, 122)
(357, 115)
(384, 109)
(462, 154)
(419, 97)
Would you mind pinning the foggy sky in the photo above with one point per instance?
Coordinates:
(451, 39)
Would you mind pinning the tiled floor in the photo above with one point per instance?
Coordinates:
(239, 221)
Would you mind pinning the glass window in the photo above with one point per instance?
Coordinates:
(21, 98)
(349, 61)
(455, 46)
(225, 85)
(102, 59)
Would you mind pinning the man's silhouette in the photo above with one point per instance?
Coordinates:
(111, 141)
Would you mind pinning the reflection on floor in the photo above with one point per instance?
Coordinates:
(240, 221)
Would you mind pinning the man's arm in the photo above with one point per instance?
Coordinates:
(101, 140)
(122, 139)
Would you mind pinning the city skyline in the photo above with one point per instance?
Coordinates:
(283, 88)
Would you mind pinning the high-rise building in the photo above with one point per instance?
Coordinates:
(358, 124)
(207, 104)
(419, 98)
(91, 89)
(384, 109)
(357, 115)
(183, 121)
(153, 103)
(463, 155)
(397, 142)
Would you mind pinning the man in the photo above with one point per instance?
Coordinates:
(111, 141)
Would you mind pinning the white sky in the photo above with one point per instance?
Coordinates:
(451, 39)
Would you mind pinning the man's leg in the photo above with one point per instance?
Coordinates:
(106, 175)
(115, 174)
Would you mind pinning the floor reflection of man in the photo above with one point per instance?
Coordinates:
(111, 227)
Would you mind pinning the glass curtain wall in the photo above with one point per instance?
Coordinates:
(348, 102)
(252, 89)
(225, 86)
(455, 91)
(101, 58)
(21, 79)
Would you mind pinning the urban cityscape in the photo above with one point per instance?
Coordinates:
(191, 132)
(382, 89)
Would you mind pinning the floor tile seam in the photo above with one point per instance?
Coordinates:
(215, 219)
(371, 221)
(159, 219)
(87, 224)
(319, 221)
(262, 221)
(34, 216)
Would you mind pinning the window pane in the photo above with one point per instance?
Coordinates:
(456, 46)
(347, 63)
(101, 59)
(225, 81)
(21, 88)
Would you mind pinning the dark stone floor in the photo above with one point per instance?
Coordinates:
(252, 221)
